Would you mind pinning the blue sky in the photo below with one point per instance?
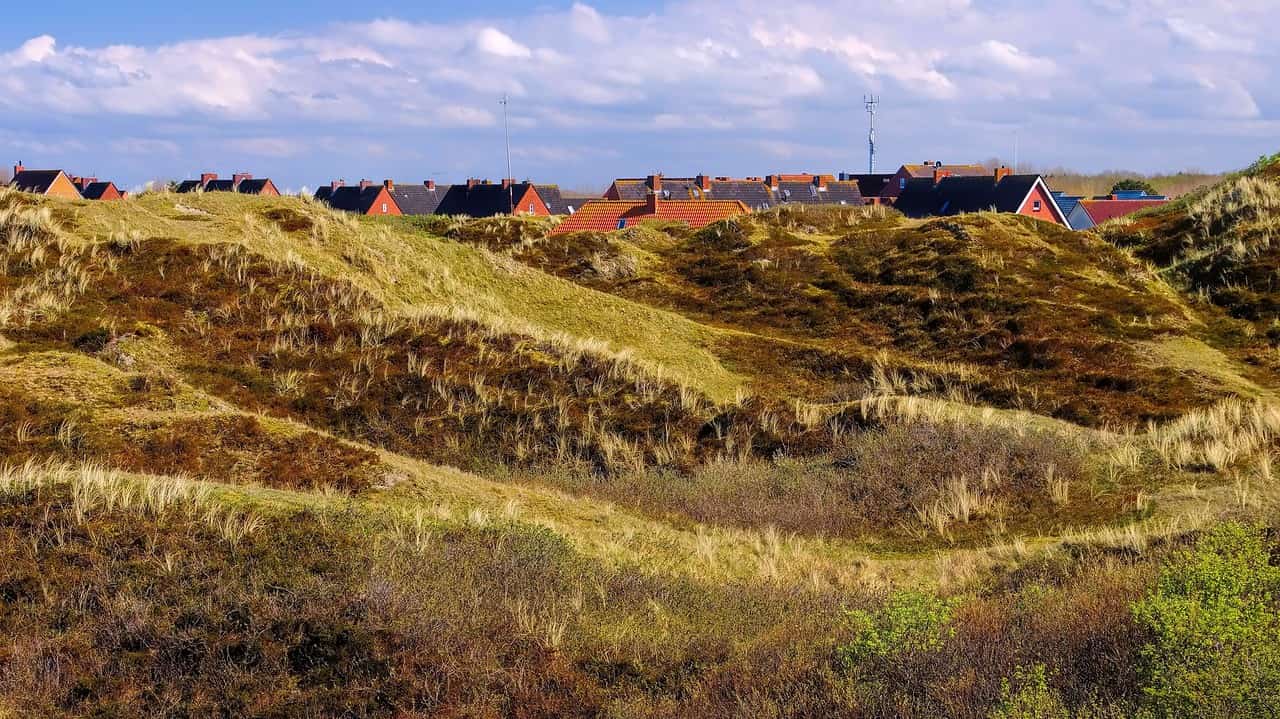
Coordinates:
(308, 91)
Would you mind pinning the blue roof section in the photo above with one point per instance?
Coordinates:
(1137, 195)
(1066, 202)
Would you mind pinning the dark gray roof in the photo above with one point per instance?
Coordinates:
(95, 190)
(956, 195)
(807, 193)
(415, 199)
(352, 199)
(220, 186)
(37, 181)
(918, 198)
(573, 203)
(754, 193)
(252, 187)
(552, 198)
(872, 184)
(481, 200)
(248, 186)
(638, 189)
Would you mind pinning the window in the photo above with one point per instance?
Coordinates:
(530, 208)
(622, 223)
(384, 208)
(1035, 206)
(902, 183)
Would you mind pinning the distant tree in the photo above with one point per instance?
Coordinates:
(1134, 185)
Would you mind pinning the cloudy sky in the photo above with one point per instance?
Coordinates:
(309, 91)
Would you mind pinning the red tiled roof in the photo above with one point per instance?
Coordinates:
(1103, 210)
(606, 215)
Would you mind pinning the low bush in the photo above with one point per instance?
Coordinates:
(1215, 625)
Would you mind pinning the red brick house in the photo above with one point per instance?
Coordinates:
(51, 183)
(365, 198)
(242, 183)
(999, 191)
(608, 215)
(934, 170)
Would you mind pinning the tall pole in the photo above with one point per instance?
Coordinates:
(870, 102)
(506, 131)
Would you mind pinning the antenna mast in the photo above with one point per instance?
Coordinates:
(506, 131)
(870, 102)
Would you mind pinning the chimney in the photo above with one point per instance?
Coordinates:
(1002, 172)
(507, 182)
(364, 184)
(336, 184)
(472, 182)
(18, 169)
(651, 200)
(655, 183)
(390, 185)
(771, 181)
(239, 177)
(430, 184)
(704, 182)
(207, 177)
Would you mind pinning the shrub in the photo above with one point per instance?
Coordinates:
(1215, 648)
(1134, 185)
(1032, 698)
(910, 621)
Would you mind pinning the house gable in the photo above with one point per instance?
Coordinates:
(383, 204)
(62, 186)
(1039, 203)
(530, 203)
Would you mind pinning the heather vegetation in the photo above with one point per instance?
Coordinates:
(258, 458)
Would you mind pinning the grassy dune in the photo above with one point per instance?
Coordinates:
(268, 460)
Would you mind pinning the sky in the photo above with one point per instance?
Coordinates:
(307, 92)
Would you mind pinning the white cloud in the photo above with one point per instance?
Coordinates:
(587, 23)
(275, 147)
(144, 146)
(31, 52)
(1011, 57)
(495, 42)
(1203, 37)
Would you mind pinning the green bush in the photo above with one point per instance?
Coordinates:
(909, 621)
(1134, 185)
(1215, 649)
(1029, 696)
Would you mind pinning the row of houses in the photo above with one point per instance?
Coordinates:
(927, 189)
(57, 183)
